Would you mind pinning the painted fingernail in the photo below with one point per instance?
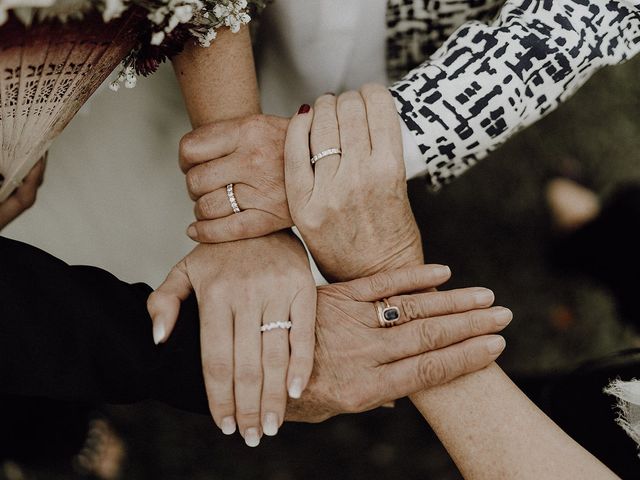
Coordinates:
(270, 424)
(228, 425)
(191, 231)
(251, 437)
(304, 109)
(330, 93)
(483, 296)
(295, 389)
(495, 345)
(442, 271)
(159, 332)
(502, 316)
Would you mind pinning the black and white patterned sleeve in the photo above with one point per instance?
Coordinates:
(489, 81)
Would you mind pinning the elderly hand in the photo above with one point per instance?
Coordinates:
(25, 195)
(248, 153)
(241, 286)
(439, 336)
(355, 202)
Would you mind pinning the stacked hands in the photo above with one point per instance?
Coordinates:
(249, 270)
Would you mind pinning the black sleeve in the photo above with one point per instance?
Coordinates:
(77, 333)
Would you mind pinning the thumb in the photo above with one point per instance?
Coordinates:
(397, 282)
(298, 172)
(164, 304)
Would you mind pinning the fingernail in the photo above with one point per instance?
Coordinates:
(191, 231)
(483, 296)
(295, 389)
(496, 345)
(330, 93)
(442, 271)
(251, 437)
(502, 316)
(270, 424)
(159, 332)
(304, 109)
(228, 425)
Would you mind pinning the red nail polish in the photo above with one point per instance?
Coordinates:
(304, 109)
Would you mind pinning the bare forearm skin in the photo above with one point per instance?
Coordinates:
(219, 82)
(493, 431)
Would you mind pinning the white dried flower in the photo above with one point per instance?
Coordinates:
(113, 9)
(157, 38)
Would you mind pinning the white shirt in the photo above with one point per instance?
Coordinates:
(307, 48)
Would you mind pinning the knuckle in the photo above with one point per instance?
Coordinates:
(194, 181)
(249, 374)
(275, 357)
(411, 307)
(274, 398)
(431, 335)
(218, 370)
(380, 283)
(187, 146)
(238, 227)
(432, 371)
(352, 402)
(205, 207)
(248, 415)
(476, 323)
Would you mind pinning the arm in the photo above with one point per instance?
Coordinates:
(490, 428)
(219, 82)
(24, 197)
(493, 431)
(487, 82)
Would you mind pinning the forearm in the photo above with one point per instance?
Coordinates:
(493, 431)
(219, 82)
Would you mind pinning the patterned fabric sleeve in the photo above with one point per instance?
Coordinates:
(489, 81)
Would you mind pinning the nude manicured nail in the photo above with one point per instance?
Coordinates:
(228, 425)
(252, 437)
(295, 389)
(483, 296)
(496, 345)
(304, 109)
(159, 332)
(502, 316)
(270, 424)
(192, 232)
(442, 271)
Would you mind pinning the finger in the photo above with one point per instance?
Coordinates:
(395, 282)
(24, 196)
(303, 340)
(354, 131)
(217, 204)
(383, 120)
(298, 173)
(239, 226)
(325, 135)
(410, 375)
(425, 305)
(163, 304)
(209, 141)
(218, 173)
(434, 333)
(248, 375)
(275, 361)
(216, 343)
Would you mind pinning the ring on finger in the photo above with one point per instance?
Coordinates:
(232, 199)
(275, 325)
(388, 316)
(325, 153)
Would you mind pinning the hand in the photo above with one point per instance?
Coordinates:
(357, 202)
(359, 366)
(241, 286)
(247, 152)
(25, 195)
